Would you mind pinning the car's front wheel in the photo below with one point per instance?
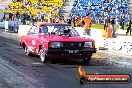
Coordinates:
(43, 56)
(87, 60)
(28, 53)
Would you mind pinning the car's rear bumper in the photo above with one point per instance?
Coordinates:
(59, 53)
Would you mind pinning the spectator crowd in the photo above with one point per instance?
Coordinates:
(82, 14)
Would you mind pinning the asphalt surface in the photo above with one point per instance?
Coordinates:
(20, 71)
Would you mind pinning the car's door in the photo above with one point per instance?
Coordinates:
(41, 32)
(29, 38)
(35, 37)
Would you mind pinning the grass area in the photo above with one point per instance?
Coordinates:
(4, 0)
(101, 27)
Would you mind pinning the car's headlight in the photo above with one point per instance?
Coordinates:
(88, 44)
(56, 44)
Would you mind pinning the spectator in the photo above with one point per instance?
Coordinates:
(57, 19)
(97, 19)
(28, 2)
(8, 7)
(10, 16)
(19, 0)
(129, 26)
(61, 19)
(69, 20)
(82, 22)
(40, 16)
(122, 23)
(88, 22)
(23, 19)
(50, 17)
(43, 16)
(106, 24)
(32, 20)
(4, 17)
(39, 3)
(17, 15)
(73, 20)
(13, 17)
(14, 1)
(26, 16)
(78, 21)
(112, 22)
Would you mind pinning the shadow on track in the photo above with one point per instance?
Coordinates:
(74, 62)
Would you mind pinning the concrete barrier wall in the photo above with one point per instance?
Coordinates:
(23, 29)
(12, 24)
(96, 35)
(2, 24)
(121, 44)
(15, 23)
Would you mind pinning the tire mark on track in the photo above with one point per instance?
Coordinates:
(14, 77)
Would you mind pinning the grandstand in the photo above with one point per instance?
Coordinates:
(34, 7)
(66, 9)
(130, 7)
(98, 8)
(101, 8)
(4, 3)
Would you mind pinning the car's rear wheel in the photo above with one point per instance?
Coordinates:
(87, 60)
(28, 53)
(43, 56)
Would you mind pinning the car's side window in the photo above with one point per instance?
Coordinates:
(32, 30)
(43, 29)
(36, 30)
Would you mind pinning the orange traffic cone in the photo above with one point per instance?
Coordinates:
(109, 34)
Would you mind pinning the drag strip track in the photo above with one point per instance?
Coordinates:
(21, 71)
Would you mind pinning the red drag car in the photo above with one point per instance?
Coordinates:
(57, 40)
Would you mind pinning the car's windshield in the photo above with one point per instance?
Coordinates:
(59, 29)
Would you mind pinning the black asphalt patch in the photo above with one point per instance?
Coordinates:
(24, 71)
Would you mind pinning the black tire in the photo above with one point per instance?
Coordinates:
(86, 60)
(28, 53)
(43, 56)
